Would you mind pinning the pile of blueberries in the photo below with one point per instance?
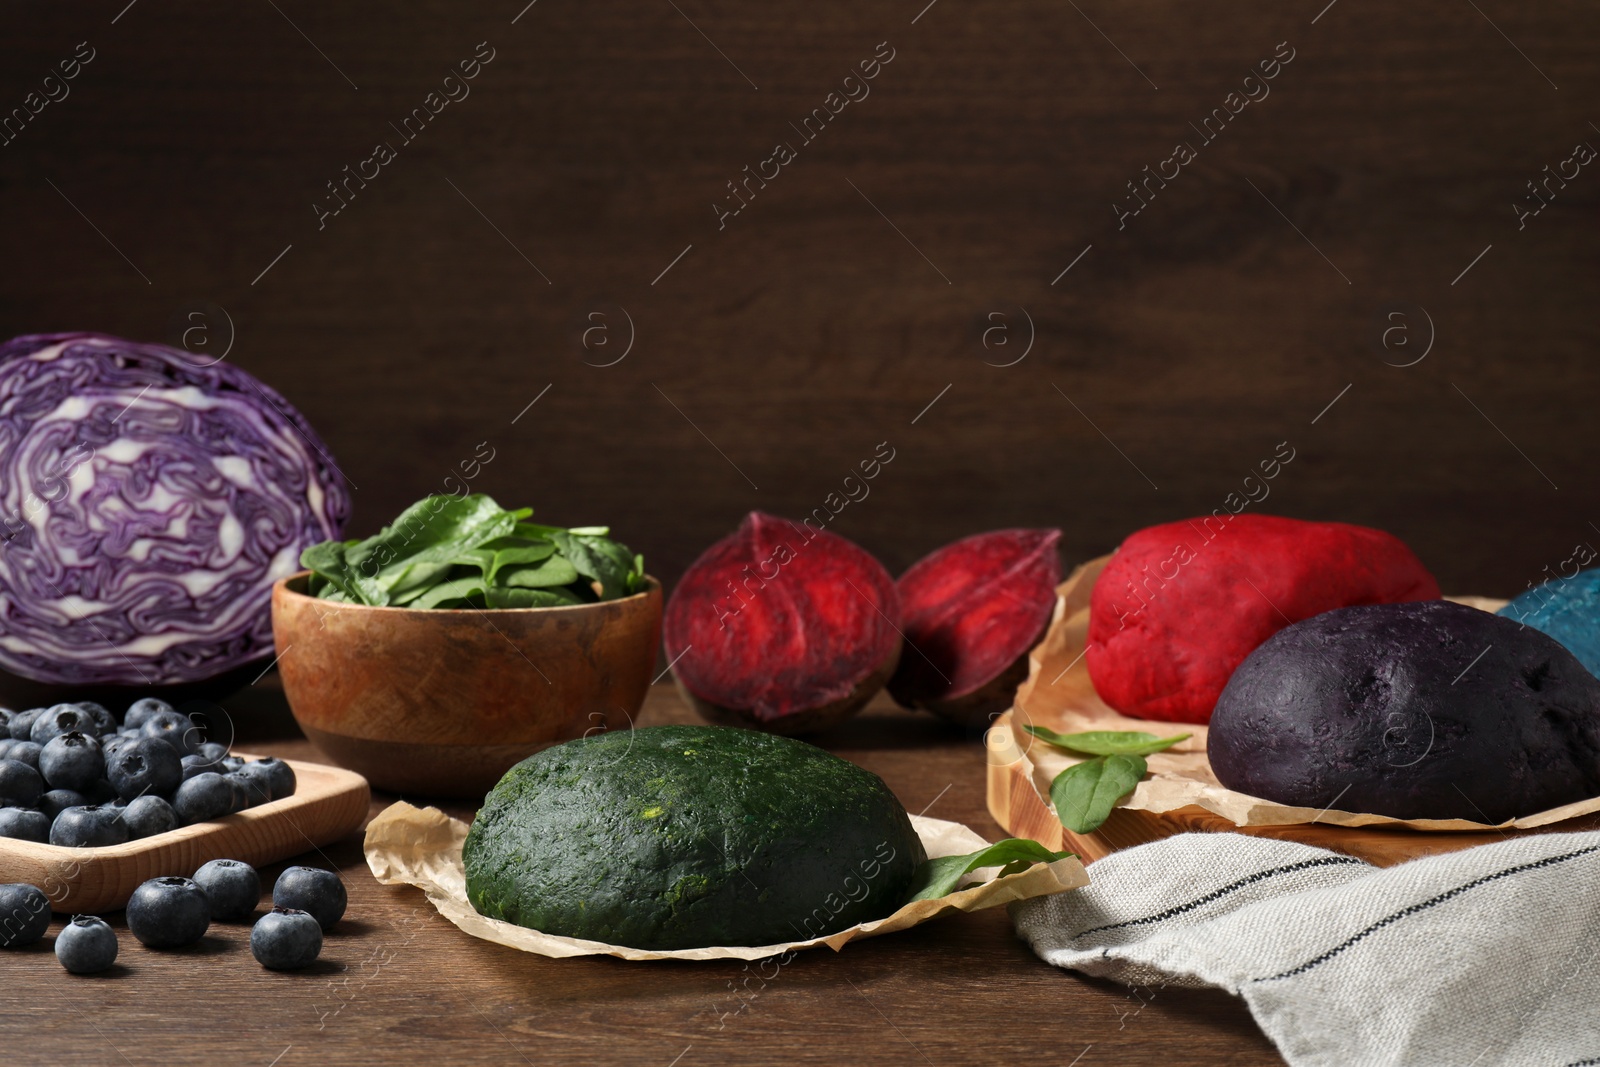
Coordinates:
(71, 775)
(168, 913)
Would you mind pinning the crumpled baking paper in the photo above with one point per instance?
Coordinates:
(1059, 695)
(406, 845)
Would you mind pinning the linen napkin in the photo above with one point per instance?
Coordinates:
(1489, 955)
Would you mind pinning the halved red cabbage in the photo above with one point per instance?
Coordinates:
(148, 501)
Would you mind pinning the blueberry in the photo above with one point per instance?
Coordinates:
(104, 721)
(24, 824)
(205, 796)
(140, 711)
(148, 816)
(86, 945)
(71, 761)
(25, 752)
(193, 765)
(285, 939)
(24, 915)
(230, 763)
(20, 784)
(5, 746)
(276, 777)
(175, 728)
(57, 801)
(100, 792)
(246, 791)
(58, 720)
(233, 887)
(212, 751)
(92, 826)
(313, 890)
(21, 725)
(257, 783)
(168, 913)
(145, 766)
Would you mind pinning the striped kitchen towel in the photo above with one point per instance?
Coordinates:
(1486, 956)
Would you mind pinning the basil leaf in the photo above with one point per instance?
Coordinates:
(1108, 742)
(552, 572)
(939, 877)
(1085, 793)
(529, 598)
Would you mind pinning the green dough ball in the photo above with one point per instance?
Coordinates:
(675, 837)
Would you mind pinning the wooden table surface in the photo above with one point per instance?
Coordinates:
(397, 984)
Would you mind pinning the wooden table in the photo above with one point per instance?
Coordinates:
(396, 984)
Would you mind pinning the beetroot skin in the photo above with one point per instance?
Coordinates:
(1180, 606)
(973, 610)
(783, 627)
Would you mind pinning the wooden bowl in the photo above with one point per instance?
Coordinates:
(444, 702)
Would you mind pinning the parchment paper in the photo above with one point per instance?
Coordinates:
(1059, 695)
(422, 847)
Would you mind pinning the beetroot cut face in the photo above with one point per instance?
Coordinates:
(783, 627)
(973, 610)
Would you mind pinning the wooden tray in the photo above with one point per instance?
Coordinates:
(1015, 803)
(328, 803)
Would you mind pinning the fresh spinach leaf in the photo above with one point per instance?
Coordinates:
(552, 572)
(595, 559)
(415, 580)
(445, 592)
(436, 529)
(530, 598)
(457, 552)
(1085, 793)
(1108, 742)
(329, 562)
(515, 552)
(535, 531)
(939, 877)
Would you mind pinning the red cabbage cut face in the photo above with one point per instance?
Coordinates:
(147, 504)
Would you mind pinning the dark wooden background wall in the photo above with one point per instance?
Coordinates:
(856, 287)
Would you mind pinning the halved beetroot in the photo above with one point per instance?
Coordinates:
(782, 626)
(973, 610)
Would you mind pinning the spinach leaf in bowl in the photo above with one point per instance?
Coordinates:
(468, 552)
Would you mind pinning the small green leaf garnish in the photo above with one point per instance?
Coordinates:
(1085, 793)
(939, 877)
(1108, 742)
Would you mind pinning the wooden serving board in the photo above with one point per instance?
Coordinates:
(1016, 804)
(328, 803)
